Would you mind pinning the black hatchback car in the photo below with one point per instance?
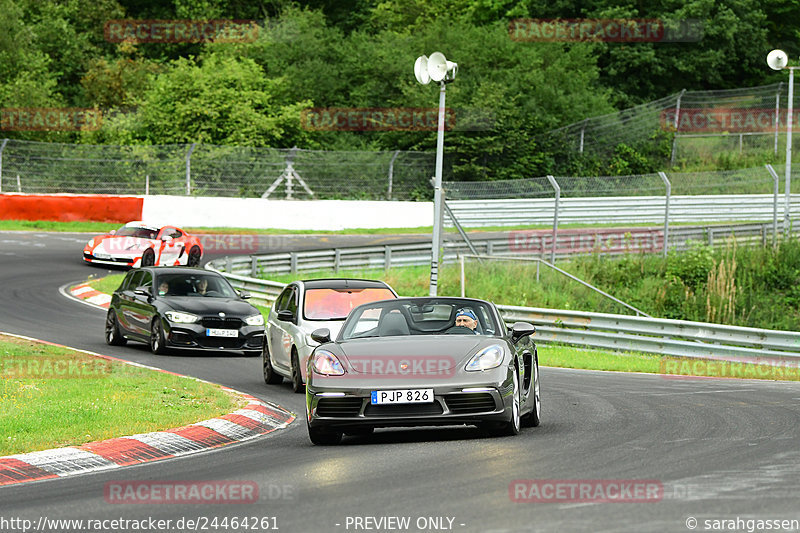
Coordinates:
(174, 307)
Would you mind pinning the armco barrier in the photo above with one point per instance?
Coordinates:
(536, 243)
(597, 330)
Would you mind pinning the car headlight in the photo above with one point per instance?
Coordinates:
(486, 359)
(255, 320)
(325, 363)
(181, 318)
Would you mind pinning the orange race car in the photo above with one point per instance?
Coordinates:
(138, 244)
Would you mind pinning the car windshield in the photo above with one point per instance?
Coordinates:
(336, 304)
(194, 285)
(137, 231)
(421, 316)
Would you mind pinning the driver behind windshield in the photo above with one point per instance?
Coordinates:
(467, 319)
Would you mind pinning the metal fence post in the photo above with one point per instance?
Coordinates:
(387, 257)
(337, 260)
(2, 147)
(777, 115)
(189, 170)
(668, 190)
(556, 187)
(391, 174)
(775, 187)
(675, 135)
(583, 131)
(293, 262)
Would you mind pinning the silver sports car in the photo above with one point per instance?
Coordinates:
(422, 361)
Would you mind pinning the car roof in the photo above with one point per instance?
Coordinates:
(343, 283)
(179, 270)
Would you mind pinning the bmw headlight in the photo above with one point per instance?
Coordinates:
(255, 320)
(181, 318)
(325, 363)
(486, 359)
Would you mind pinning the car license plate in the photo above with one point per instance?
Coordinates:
(102, 256)
(213, 332)
(381, 397)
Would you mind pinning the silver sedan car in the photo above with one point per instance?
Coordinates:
(302, 307)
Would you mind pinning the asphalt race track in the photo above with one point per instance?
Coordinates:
(719, 449)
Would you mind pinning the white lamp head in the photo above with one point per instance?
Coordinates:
(777, 60)
(421, 70)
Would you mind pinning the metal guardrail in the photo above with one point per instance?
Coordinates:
(654, 335)
(596, 330)
(617, 332)
(397, 255)
(619, 210)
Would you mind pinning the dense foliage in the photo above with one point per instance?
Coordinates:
(359, 54)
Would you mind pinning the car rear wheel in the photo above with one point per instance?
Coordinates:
(533, 419)
(148, 258)
(113, 336)
(157, 345)
(324, 437)
(297, 377)
(270, 377)
(194, 256)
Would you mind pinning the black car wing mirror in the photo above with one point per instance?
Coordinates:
(243, 294)
(321, 335)
(143, 290)
(521, 329)
(285, 316)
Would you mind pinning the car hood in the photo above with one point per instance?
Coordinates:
(380, 356)
(114, 244)
(203, 306)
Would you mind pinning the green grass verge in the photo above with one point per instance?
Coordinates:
(53, 397)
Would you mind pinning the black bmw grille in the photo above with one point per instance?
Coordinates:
(222, 323)
(476, 402)
(220, 342)
(412, 409)
(339, 407)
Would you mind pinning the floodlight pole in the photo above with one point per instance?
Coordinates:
(788, 170)
(437, 195)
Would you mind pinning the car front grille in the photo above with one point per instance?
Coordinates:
(225, 343)
(339, 407)
(418, 409)
(474, 402)
(222, 323)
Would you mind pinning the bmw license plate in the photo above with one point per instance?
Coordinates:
(214, 332)
(382, 397)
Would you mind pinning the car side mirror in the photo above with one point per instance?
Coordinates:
(285, 316)
(321, 335)
(142, 290)
(243, 294)
(112, 232)
(521, 329)
(166, 238)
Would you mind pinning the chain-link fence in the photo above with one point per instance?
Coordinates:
(208, 170)
(699, 125)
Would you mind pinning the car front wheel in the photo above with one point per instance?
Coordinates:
(270, 376)
(157, 344)
(514, 424)
(194, 256)
(297, 377)
(533, 419)
(148, 258)
(113, 336)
